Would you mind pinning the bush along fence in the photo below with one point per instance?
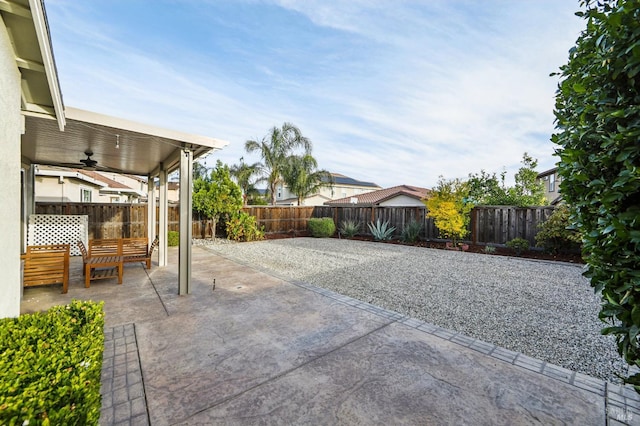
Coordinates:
(489, 224)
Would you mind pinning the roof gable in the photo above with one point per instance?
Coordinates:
(377, 197)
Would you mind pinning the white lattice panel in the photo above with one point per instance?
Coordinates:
(58, 229)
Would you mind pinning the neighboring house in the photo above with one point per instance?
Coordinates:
(397, 196)
(138, 183)
(61, 184)
(173, 191)
(343, 186)
(551, 181)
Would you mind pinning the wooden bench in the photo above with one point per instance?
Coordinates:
(46, 264)
(137, 250)
(103, 259)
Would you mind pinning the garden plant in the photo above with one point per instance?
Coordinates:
(381, 231)
(321, 227)
(50, 365)
(598, 129)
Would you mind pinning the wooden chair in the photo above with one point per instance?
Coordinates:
(102, 260)
(46, 264)
(136, 250)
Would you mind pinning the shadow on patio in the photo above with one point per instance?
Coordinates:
(257, 349)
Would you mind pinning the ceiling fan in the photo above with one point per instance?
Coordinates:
(89, 163)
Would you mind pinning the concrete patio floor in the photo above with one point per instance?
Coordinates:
(261, 350)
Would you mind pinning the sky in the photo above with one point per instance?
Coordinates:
(389, 91)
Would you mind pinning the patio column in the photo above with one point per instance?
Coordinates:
(186, 202)
(163, 219)
(151, 208)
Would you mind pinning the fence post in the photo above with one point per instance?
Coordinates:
(474, 223)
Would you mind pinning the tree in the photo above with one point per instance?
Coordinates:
(300, 173)
(275, 148)
(486, 189)
(200, 171)
(447, 205)
(598, 128)
(489, 190)
(528, 191)
(216, 196)
(244, 175)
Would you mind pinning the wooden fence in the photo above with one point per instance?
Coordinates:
(499, 224)
(489, 224)
(278, 219)
(123, 220)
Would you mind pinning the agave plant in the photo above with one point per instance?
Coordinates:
(349, 228)
(381, 232)
(411, 232)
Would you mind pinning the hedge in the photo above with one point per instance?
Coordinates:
(50, 364)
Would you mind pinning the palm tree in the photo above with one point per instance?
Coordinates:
(300, 174)
(275, 148)
(244, 175)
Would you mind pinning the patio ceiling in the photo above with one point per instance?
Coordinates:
(118, 145)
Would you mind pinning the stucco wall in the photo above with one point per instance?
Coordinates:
(10, 131)
(402, 201)
(49, 188)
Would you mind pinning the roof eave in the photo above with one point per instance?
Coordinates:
(38, 15)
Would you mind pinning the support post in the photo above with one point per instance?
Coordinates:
(163, 219)
(186, 203)
(151, 208)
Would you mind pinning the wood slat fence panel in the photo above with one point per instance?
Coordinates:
(281, 219)
(500, 224)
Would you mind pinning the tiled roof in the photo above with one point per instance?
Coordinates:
(97, 176)
(377, 197)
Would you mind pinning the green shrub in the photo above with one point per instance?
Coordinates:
(518, 245)
(557, 234)
(489, 249)
(50, 365)
(322, 227)
(243, 227)
(173, 238)
(349, 228)
(381, 232)
(411, 232)
(598, 125)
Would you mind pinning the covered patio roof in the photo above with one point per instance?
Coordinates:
(117, 145)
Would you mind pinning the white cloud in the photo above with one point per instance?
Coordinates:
(391, 92)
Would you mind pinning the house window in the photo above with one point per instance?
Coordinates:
(85, 195)
(552, 182)
(115, 199)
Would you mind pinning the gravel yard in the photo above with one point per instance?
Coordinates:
(543, 309)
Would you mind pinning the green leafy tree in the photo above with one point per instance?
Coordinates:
(246, 177)
(275, 148)
(301, 175)
(486, 189)
(218, 196)
(598, 130)
(448, 206)
(528, 191)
